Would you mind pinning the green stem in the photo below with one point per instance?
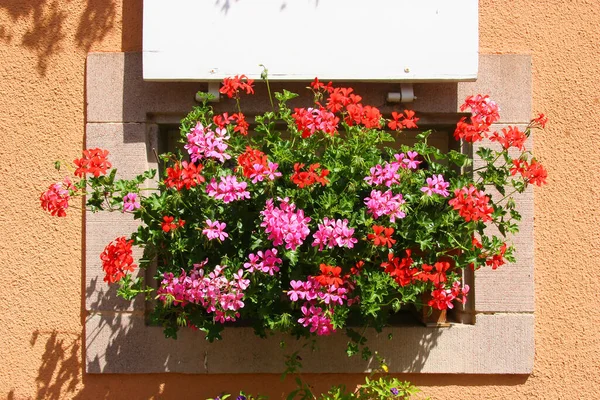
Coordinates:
(265, 76)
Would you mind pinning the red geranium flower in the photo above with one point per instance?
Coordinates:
(117, 259)
(340, 98)
(406, 120)
(318, 86)
(540, 121)
(435, 273)
(94, 161)
(168, 224)
(357, 268)
(510, 137)
(497, 259)
(400, 269)
(472, 132)
(382, 236)
(472, 204)
(251, 157)
(55, 200)
(242, 125)
(222, 120)
(330, 275)
(311, 120)
(188, 176)
(232, 86)
(534, 173)
(310, 177)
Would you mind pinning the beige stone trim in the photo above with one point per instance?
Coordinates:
(121, 111)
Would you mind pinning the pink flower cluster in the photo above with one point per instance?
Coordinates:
(284, 224)
(386, 175)
(385, 204)
(266, 262)
(205, 143)
(228, 190)
(259, 172)
(314, 294)
(442, 298)
(131, 202)
(436, 184)
(408, 160)
(214, 292)
(317, 319)
(334, 233)
(215, 230)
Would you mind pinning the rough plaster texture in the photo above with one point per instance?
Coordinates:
(43, 47)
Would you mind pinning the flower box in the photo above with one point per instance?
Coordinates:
(332, 218)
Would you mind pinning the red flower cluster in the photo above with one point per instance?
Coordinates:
(472, 204)
(357, 268)
(242, 125)
(55, 200)
(310, 177)
(534, 173)
(94, 161)
(382, 236)
(511, 137)
(484, 110)
(540, 121)
(400, 269)
(251, 157)
(403, 121)
(168, 224)
(320, 86)
(117, 259)
(369, 116)
(188, 176)
(484, 113)
(310, 120)
(232, 86)
(435, 273)
(340, 98)
(442, 298)
(497, 259)
(222, 120)
(330, 275)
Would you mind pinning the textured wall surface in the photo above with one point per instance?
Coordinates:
(43, 45)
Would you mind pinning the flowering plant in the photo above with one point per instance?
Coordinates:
(318, 218)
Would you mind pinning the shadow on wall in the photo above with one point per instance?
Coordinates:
(58, 373)
(45, 21)
(60, 376)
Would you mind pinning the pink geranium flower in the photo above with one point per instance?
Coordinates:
(228, 189)
(437, 185)
(131, 202)
(333, 233)
(387, 203)
(215, 230)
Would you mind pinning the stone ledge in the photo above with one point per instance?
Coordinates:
(497, 344)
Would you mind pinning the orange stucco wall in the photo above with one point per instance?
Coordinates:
(43, 45)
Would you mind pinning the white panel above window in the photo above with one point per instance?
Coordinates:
(367, 40)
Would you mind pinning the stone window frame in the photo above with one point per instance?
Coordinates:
(123, 113)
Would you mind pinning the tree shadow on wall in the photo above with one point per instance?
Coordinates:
(46, 20)
(58, 373)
